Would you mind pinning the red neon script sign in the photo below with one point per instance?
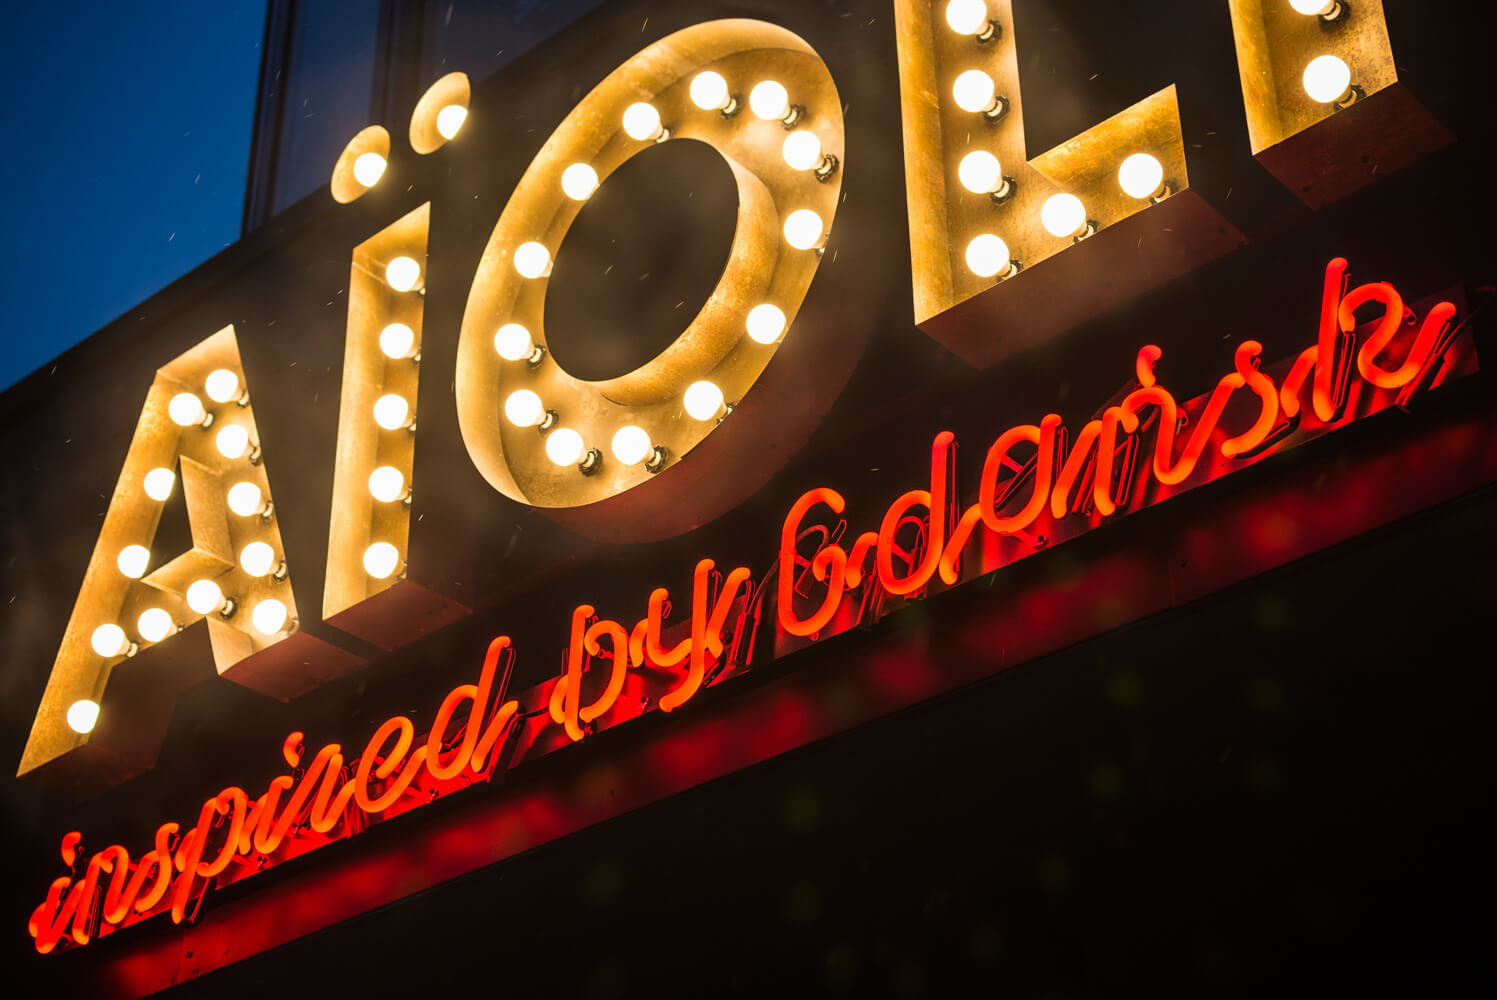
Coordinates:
(1063, 489)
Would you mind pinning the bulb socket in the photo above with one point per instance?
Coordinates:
(229, 607)
(1004, 191)
(658, 457)
(255, 455)
(732, 107)
(1090, 229)
(792, 117)
(268, 512)
(279, 573)
(827, 168)
(1338, 10)
(536, 356)
(548, 421)
(591, 462)
(1166, 188)
(1014, 267)
(991, 33)
(1353, 94)
(997, 111)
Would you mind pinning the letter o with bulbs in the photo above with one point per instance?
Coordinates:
(609, 458)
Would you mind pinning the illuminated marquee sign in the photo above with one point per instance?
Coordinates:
(1007, 249)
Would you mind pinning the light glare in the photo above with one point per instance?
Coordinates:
(402, 273)
(631, 445)
(1141, 176)
(987, 256)
(804, 229)
(392, 412)
(257, 559)
(967, 17)
(532, 260)
(974, 91)
(980, 172)
(642, 122)
(564, 446)
(709, 91)
(450, 120)
(158, 484)
(83, 714)
(133, 560)
(245, 499)
(1327, 79)
(368, 169)
(524, 408)
(1063, 215)
(765, 323)
(221, 385)
(397, 341)
(270, 615)
(769, 100)
(386, 484)
(109, 640)
(205, 597)
(802, 149)
(380, 560)
(232, 441)
(513, 342)
(186, 409)
(154, 624)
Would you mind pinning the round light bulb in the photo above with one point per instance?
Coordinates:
(402, 273)
(368, 169)
(974, 91)
(1313, 8)
(709, 91)
(967, 17)
(1141, 176)
(133, 560)
(1327, 79)
(257, 559)
(642, 122)
(381, 559)
(205, 597)
(397, 341)
(270, 615)
(579, 181)
(450, 120)
(245, 499)
(83, 715)
(1063, 215)
(524, 408)
(386, 484)
(564, 446)
(154, 624)
(532, 260)
(703, 400)
(158, 484)
(980, 172)
(221, 385)
(765, 323)
(631, 445)
(232, 441)
(186, 409)
(392, 412)
(769, 100)
(513, 342)
(803, 229)
(802, 149)
(987, 255)
(109, 640)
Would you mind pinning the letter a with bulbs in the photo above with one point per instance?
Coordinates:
(197, 435)
(1015, 248)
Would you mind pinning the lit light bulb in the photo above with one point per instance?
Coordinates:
(703, 400)
(804, 229)
(631, 445)
(381, 559)
(133, 560)
(988, 255)
(368, 169)
(709, 91)
(245, 499)
(386, 484)
(770, 101)
(513, 342)
(642, 122)
(83, 714)
(109, 640)
(532, 260)
(392, 412)
(802, 150)
(397, 341)
(765, 323)
(450, 120)
(154, 624)
(270, 615)
(975, 91)
(1327, 79)
(980, 172)
(524, 408)
(402, 273)
(221, 385)
(579, 181)
(967, 17)
(564, 446)
(1314, 8)
(232, 441)
(186, 409)
(205, 597)
(158, 484)
(257, 559)
(1141, 176)
(1063, 215)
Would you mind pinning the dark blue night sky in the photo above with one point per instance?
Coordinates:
(127, 129)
